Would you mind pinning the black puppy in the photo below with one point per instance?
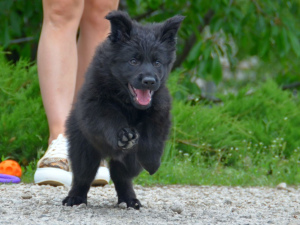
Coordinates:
(123, 109)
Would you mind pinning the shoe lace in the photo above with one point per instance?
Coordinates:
(58, 148)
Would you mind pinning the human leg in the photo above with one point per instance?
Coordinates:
(94, 28)
(57, 67)
(57, 60)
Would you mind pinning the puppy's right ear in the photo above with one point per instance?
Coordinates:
(170, 28)
(121, 26)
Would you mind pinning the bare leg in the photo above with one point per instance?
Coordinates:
(59, 68)
(57, 60)
(94, 28)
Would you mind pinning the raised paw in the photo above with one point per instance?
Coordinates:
(127, 138)
(76, 200)
(133, 203)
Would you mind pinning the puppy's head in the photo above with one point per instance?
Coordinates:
(142, 55)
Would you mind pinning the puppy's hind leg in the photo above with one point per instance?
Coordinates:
(122, 173)
(85, 161)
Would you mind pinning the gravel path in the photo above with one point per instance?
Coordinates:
(33, 204)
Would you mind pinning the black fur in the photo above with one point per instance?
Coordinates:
(123, 109)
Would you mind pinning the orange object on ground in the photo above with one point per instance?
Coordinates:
(10, 167)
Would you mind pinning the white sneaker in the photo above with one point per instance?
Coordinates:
(53, 168)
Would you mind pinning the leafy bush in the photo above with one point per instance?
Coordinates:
(251, 138)
(23, 126)
(261, 117)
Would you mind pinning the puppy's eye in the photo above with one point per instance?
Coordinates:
(157, 63)
(133, 62)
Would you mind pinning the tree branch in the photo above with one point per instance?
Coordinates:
(21, 40)
(291, 86)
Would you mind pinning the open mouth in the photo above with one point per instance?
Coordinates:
(140, 96)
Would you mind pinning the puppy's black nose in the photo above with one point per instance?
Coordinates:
(149, 81)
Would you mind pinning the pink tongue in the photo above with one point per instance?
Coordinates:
(143, 96)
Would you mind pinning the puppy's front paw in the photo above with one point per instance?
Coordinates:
(131, 202)
(127, 138)
(76, 200)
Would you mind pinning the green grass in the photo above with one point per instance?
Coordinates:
(249, 139)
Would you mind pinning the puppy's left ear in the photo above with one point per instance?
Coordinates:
(121, 26)
(170, 28)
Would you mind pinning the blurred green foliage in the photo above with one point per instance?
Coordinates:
(250, 137)
(23, 124)
(230, 29)
(20, 27)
